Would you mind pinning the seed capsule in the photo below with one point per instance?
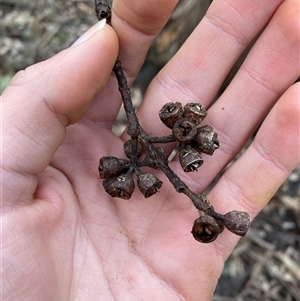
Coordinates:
(195, 112)
(128, 148)
(170, 113)
(206, 140)
(189, 158)
(148, 184)
(184, 130)
(121, 186)
(205, 229)
(111, 166)
(238, 222)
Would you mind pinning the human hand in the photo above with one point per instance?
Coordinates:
(64, 237)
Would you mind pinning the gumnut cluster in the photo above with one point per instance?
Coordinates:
(192, 141)
(118, 173)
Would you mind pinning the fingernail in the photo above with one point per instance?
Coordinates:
(100, 25)
(97, 27)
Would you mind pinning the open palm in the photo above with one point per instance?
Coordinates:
(64, 238)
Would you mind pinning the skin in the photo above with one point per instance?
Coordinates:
(63, 237)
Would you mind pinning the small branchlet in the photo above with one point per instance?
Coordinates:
(103, 10)
(117, 174)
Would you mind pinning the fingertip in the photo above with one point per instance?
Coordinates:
(97, 27)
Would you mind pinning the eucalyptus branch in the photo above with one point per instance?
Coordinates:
(192, 141)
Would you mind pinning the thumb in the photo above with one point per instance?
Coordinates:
(70, 80)
(42, 100)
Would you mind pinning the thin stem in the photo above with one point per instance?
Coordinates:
(103, 10)
(163, 139)
(133, 123)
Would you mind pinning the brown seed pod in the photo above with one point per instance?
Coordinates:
(205, 229)
(238, 222)
(128, 148)
(111, 166)
(148, 184)
(170, 113)
(121, 186)
(184, 130)
(189, 158)
(195, 112)
(206, 140)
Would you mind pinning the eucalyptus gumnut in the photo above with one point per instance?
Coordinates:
(128, 148)
(206, 140)
(195, 112)
(148, 184)
(189, 158)
(121, 186)
(111, 166)
(184, 130)
(170, 113)
(205, 229)
(238, 222)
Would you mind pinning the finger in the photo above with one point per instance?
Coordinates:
(253, 179)
(42, 100)
(136, 23)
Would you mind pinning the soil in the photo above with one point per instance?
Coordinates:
(265, 263)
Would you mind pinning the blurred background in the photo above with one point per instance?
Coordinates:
(265, 263)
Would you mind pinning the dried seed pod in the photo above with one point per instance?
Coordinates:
(189, 158)
(111, 166)
(128, 148)
(195, 112)
(148, 184)
(121, 186)
(170, 113)
(184, 130)
(238, 222)
(205, 229)
(206, 140)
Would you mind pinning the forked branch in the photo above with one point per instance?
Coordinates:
(192, 140)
